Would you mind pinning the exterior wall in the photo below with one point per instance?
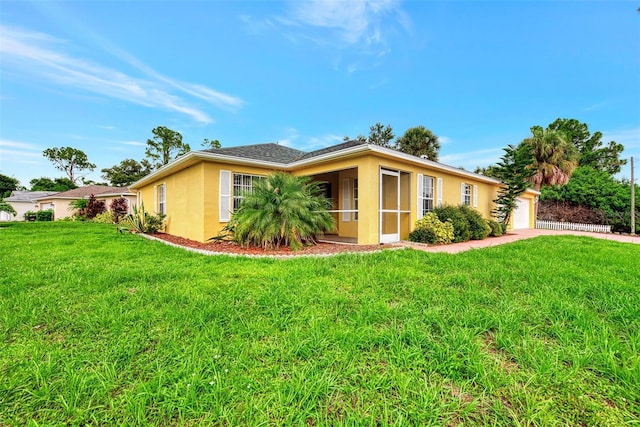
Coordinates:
(60, 207)
(193, 198)
(21, 209)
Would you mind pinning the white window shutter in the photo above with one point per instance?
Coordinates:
(225, 196)
(475, 196)
(462, 188)
(420, 194)
(439, 192)
(346, 199)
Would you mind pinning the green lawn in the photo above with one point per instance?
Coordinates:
(112, 329)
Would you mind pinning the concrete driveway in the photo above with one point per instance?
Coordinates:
(515, 235)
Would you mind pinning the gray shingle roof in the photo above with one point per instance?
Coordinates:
(331, 149)
(27, 196)
(270, 152)
(279, 153)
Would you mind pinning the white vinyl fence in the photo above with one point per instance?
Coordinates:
(555, 225)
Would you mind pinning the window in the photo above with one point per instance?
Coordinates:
(161, 198)
(242, 184)
(355, 199)
(427, 195)
(467, 190)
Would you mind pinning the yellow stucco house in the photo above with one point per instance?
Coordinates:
(377, 193)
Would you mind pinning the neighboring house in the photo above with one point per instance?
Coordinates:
(377, 193)
(22, 202)
(59, 202)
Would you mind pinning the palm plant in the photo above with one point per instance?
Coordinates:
(554, 157)
(282, 210)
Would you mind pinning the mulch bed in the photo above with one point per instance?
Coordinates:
(234, 249)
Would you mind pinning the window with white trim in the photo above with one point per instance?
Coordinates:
(426, 195)
(161, 199)
(242, 184)
(467, 191)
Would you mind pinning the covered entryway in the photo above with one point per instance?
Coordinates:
(521, 214)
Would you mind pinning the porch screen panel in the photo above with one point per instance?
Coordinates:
(346, 200)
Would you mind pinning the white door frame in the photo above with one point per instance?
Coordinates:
(394, 237)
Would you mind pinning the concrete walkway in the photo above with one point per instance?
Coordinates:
(515, 235)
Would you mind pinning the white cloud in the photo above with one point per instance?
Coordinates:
(472, 159)
(134, 143)
(630, 138)
(45, 57)
(361, 27)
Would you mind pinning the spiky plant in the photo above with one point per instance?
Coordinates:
(282, 210)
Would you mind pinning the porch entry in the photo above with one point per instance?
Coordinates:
(394, 205)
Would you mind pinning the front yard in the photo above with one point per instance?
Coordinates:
(112, 329)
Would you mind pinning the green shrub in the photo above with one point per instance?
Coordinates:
(141, 221)
(461, 232)
(422, 236)
(496, 228)
(478, 226)
(6, 207)
(44, 215)
(80, 208)
(282, 210)
(104, 218)
(429, 229)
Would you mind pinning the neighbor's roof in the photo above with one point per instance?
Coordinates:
(82, 192)
(28, 196)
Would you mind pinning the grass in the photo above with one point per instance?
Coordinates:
(99, 328)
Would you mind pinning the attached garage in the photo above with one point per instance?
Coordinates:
(521, 214)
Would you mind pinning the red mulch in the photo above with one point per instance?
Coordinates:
(232, 248)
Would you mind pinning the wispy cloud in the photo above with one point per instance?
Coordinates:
(472, 159)
(630, 138)
(293, 139)
(360, 28)
(20, 152)
(46, 57)
(134, 143)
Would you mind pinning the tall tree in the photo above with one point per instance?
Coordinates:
(69, 160)
(165, 146)
(378, 134)
(213, 143)
(7, 185)
(514, 171)
(381, 135)
(47, 184)
(419, 141)
(592, 152)
(554, 157)
(127, 172)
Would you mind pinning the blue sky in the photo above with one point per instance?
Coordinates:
(99, 75)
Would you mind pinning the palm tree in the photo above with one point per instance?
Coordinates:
(282, 209)
(554, 157)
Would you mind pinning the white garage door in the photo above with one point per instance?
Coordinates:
(521, 214)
